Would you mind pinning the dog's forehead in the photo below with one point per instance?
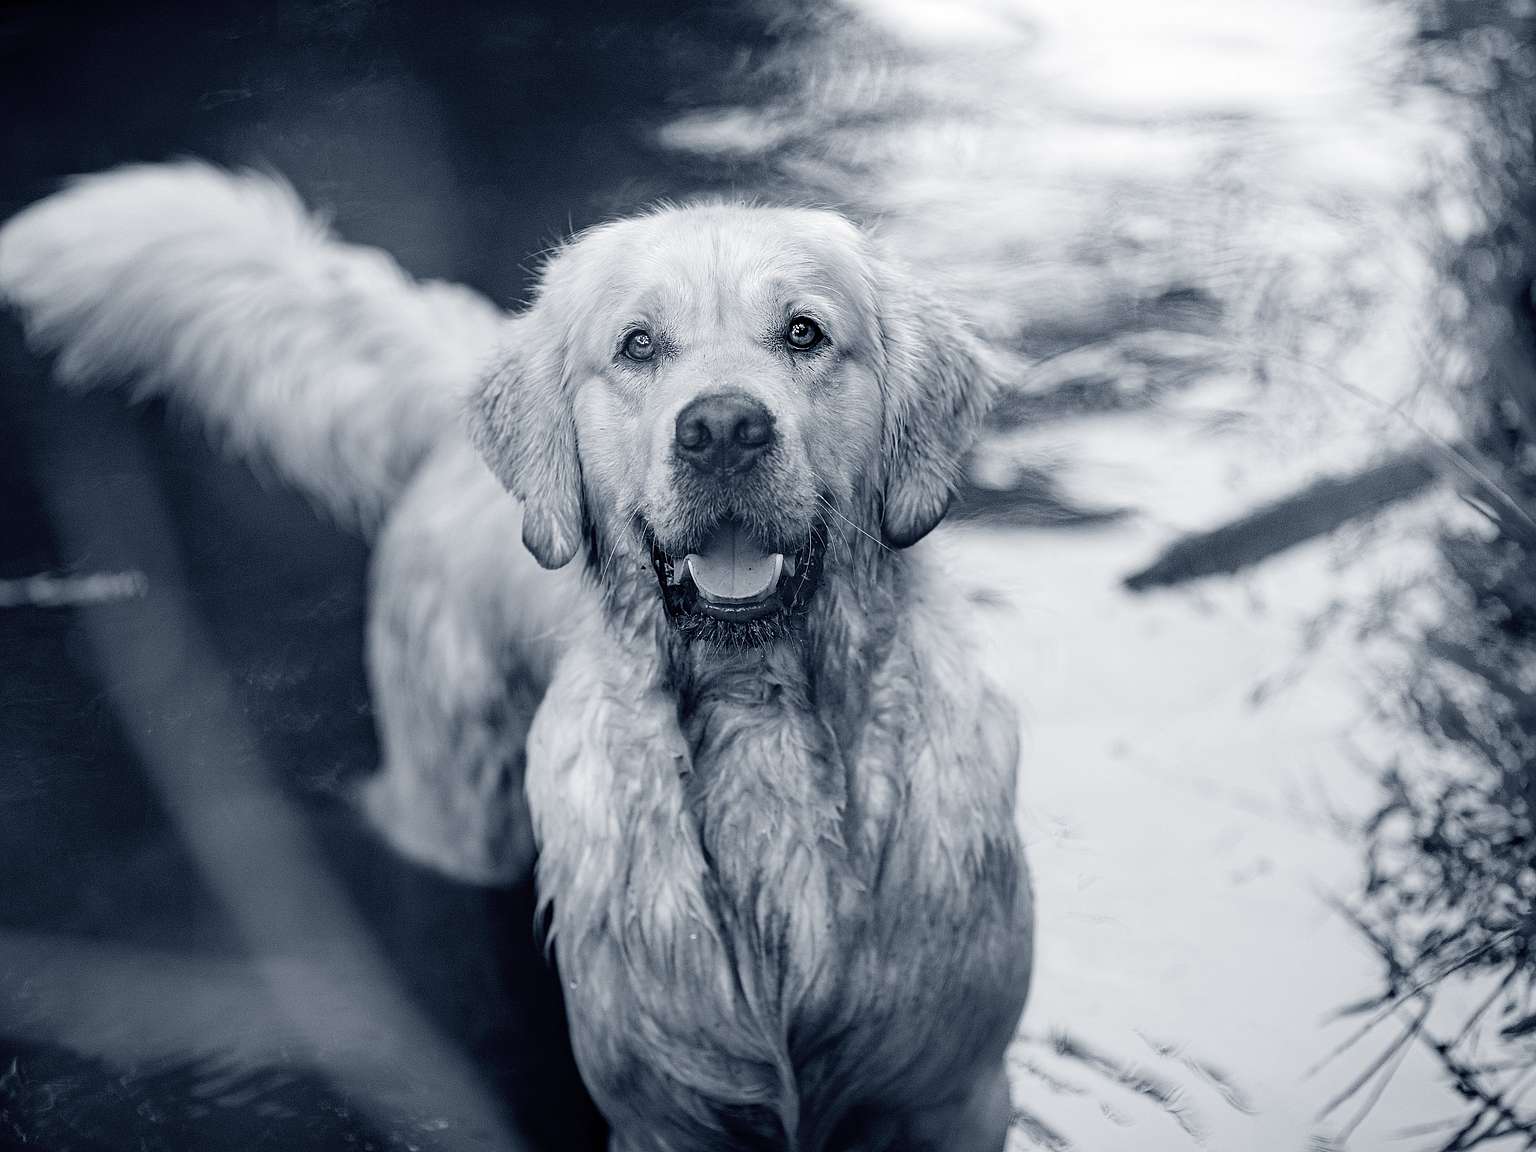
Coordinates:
(703, 257)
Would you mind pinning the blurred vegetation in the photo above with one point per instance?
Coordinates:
(1449, 900)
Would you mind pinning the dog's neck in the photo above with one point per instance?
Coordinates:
(775, 735)
(774, 730)
(824, 664)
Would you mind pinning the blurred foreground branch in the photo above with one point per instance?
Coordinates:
(44, 591)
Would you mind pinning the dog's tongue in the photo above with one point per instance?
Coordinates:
(732, 569)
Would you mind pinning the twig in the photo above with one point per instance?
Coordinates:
(1394, 1049)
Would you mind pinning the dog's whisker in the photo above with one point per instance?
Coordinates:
(832, 508)
(613, 551)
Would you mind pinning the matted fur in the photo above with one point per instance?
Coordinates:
(781, 874)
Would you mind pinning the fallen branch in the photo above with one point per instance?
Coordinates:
(1315, 511)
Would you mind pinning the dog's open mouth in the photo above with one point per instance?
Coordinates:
(730, 579)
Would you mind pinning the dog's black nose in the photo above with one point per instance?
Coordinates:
(724, 433)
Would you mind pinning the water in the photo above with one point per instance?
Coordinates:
(1210, 241)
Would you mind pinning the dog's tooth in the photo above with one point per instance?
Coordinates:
(789, 564)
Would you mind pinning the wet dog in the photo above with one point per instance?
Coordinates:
(772, 796)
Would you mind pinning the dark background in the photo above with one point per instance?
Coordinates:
(463, 137)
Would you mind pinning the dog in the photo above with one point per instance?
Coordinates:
(771, 795)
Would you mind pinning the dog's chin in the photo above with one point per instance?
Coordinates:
(733, 600)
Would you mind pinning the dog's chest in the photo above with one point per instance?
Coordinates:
(768, 793)
(736, 940)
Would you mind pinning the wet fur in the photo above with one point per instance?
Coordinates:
(780, 871)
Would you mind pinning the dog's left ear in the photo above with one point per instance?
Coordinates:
(520, 420)
(938, 384)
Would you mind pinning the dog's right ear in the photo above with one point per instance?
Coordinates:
(520, 420)
(939, 381)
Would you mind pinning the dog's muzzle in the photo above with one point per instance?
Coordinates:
(729, 579)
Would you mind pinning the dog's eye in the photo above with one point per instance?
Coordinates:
(803, 334)
(639, 345)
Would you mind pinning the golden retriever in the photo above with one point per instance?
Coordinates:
(772, 796)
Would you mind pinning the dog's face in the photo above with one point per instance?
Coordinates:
(721, 389)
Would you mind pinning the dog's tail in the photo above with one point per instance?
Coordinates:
(220, 290)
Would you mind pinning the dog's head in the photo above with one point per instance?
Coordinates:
(723, 389)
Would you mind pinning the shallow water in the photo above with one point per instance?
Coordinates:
(1205, 238)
